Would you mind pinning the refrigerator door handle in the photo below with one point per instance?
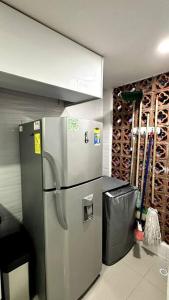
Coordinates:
(60, 210)
(59, 203)
(54, 169)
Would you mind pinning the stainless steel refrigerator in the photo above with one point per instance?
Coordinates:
(61, 168)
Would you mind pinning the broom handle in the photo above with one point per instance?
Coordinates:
(154, 151)
(145, 152)
(138, 145)
(132, 145)
(146, 173)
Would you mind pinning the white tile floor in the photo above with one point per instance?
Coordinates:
(135, 277)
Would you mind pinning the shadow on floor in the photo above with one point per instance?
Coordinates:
(137, 252)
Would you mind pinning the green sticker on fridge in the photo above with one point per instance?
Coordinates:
(73, 124)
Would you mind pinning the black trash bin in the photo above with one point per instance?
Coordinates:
(119, 202)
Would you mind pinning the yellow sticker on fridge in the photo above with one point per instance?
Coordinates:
(37, 143)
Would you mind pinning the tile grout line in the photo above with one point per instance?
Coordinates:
(147, 271)
(128, 264)
(154, 285)
(141, 279)
(152, 282)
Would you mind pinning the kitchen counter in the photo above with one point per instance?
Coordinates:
(14, 241)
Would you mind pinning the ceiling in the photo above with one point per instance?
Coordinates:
(126, 32)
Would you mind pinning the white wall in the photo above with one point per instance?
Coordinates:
(107, 132)
(92, 110)
(14, 109)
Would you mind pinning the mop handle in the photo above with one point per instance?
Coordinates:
(145, 152)
(138, 144)
(154, 151)
(146, 172)
(132, 145)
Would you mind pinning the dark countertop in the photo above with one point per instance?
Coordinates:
(14, 242)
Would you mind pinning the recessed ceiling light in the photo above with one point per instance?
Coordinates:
(163, 47)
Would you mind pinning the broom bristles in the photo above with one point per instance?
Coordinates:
(152, 234)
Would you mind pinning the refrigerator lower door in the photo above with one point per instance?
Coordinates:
(73, 256)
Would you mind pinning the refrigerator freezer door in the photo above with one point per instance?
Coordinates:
(73, 256)
(76, 147)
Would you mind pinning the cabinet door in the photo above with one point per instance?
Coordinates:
(49, 61)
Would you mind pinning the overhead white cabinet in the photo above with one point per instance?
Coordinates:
(36, 59)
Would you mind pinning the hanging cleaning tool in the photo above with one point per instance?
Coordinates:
(145, 152)
(132, 145)
(152, 234)
(154, 151)
(150, 143)
(139, 234)
(138, 203)
(132, 97)
(138, 144)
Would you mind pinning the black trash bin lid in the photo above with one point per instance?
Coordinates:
(112, 183)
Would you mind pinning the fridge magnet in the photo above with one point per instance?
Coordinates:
(97, 136)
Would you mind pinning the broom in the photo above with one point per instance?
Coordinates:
(139, 234)
(132, 97)
(132, 145)
(152, 234)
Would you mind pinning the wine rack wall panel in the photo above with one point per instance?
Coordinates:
(153, 88)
